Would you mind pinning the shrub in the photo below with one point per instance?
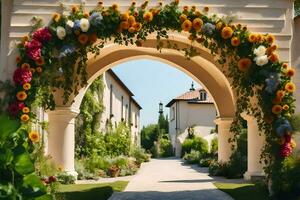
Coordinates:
(165, 147)
(139, 154)
(197, 143)
(83, 173)
(193, 157)
(65, 178)
(205, 162)
(217, 169)
(214, 146)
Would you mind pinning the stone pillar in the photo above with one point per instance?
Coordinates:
(61, 137)
(255, 145)
(224, 147)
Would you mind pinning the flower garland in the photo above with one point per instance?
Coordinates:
(55, 57)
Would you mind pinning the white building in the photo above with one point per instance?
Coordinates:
(195, 109)
(120, 106)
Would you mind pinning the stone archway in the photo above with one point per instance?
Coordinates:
(202, 68)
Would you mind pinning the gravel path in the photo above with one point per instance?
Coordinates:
(170, 179)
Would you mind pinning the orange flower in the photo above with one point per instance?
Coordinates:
(290, 87)
(86, 14)
(182, 17)
(273, 57)
(252, 37)
(280, 93)
(244, 64)
(270, 39)
(83, 38)
(39, 70)
(115, 7)
(185, 8)
(32, 70)
(259, 37)
(124, 25)
(285, 107)
(40, 61)
(193, 8)
(290, 72)
(276, 109)
(219, 25)
(25, 66)
(24, 118)
(131, 30)
(131, 20)
(198, 13)
(137, 26)
(285, 65)
(26, 86)
(125, 16)
(18, 59)
(93, 37)
(148, 16)
(235, 41)
(206, 9)
(277, 100)
(56, 17)
(227, 32)
(74, 9)
(186, 25)
(176, 2)
(136, 14)
(34, 136)
(21, 95)
(197, 24)
(25, 110)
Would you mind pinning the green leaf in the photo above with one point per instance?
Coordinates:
(33, 186)
(22, 162)
(45, 197)
(7, 126)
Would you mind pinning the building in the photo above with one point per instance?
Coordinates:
(120, 106)
(193, 109)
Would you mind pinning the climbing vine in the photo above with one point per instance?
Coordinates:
(55, 57)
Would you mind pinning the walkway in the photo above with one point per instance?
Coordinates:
(170, 179)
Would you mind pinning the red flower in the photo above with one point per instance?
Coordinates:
(42, 35)
(286, 149)
(15, 107)
(22, 76)
(33, 49)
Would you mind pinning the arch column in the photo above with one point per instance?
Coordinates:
(61, 137)
(256, 142)
(224, 134)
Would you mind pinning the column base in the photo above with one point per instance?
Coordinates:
(254, 176)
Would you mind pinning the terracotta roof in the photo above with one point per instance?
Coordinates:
(192, 97)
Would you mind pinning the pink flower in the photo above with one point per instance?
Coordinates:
(286, 149)
(22, 76)
(42, 35)
(15, 107)
(33, 49)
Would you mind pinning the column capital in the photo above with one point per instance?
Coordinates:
(247, 117)
(64, 110)
(225, 121)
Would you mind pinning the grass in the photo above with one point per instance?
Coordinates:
(100, 191)
(244, 191)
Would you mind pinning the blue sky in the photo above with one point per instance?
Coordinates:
(153, 82)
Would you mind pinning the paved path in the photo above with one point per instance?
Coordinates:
(170, 179)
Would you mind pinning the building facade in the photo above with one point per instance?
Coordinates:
(194, 109)
(120, 106)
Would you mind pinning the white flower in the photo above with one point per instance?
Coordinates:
(70, 23)
(61, 32)
(260, 51)
(84, 25)
(261, 60)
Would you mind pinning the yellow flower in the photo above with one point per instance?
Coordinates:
(186, 25)
(273, 58)
(290, 72)
(115, 7)
(235, 41)
(39, 70)
(182, 17)
(21, 95)
(32, 70)
(83, 39)
(259, 38)
(252, 37)
(276, 109)
(131, 20)
(227, 32)
(285, 107)
(25, 39)
(56, 17)
(40, 61)
(137, 26)
(148, 16)
(25, 110)
(219, 25)
(244, 64)
(74, 9)
(24, 118)
(270, 39)
(125, 16)
(26, 86)
(25, 66)
(34, 136)
(131, 30)
(86, 14)
(124, 25)
(197, 24)
(290, 87)
(293, 143)
(198, 13)
(206, 9)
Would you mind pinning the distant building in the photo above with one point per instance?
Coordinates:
(120, 106)
(195, 109)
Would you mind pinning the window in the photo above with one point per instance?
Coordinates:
(135, 120)
(126, 112)
(172, 113)
(202, 96)
(111, 101)
(122, 110)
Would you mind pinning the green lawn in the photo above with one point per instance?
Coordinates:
(90, 191)
(244, 191)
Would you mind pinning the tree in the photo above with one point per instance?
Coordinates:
(163, 124)
(297, 7)
(149, 134)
